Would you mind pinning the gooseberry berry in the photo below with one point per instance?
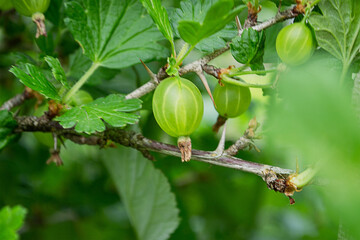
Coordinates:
(178, 109)
(30, 7)
(35, 10)
(231, 100)
(295, 44)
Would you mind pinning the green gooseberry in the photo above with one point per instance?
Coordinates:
(178, 109)
(295, 44)
(231, 100)
(30, 7)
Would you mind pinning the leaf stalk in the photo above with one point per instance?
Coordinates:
(239, 73)
(80, 83)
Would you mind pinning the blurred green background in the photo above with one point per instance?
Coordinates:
(79, 199)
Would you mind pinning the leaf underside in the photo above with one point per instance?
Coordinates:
(337, 30)
(145, 192)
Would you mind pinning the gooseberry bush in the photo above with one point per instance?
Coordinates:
(265, 87)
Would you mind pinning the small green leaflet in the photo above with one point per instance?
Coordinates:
(195, 28)
(145, 192)
(338, 29)
(190, 9)
(249, 48)
(172, 70)
(57, 70)
(7, 126)
(11, 220)
(114, 33)
(32, 77)
(113, 109)
(159, 15)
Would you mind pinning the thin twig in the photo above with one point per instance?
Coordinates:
(241, 144)
(17, 100)
(137, 141)
(280, 17)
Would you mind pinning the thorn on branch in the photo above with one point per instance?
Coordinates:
(151, 74)
(238, 24)
(221, 146)
(202, 77)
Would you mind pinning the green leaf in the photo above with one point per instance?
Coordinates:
(338, 29)
(11, 220)
(145, 192)
(7, 125)
(196, 9)
(159, 15)
(218, 40)
(57, 70)
(113, 109)
(249, 48)
(201, 20)
(32, 77)
(113, 33)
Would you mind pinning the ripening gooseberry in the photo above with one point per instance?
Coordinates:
(231, 100)
(178, 109)
(295, 44)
